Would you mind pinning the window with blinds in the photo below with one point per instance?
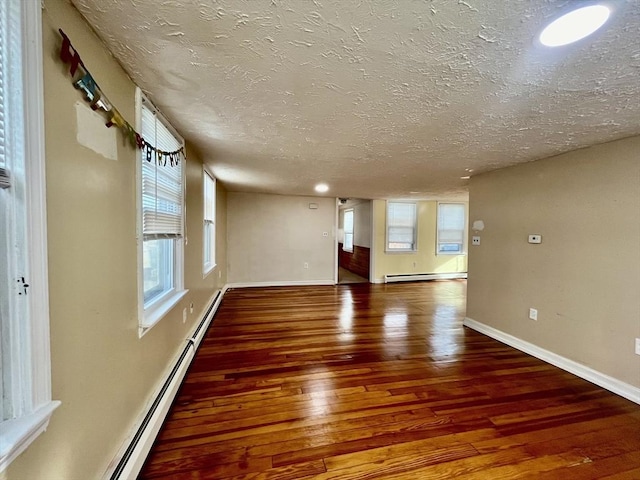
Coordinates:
(162, 209)
(451, 228)
(25, 363)
(401, 227)
(209, 227)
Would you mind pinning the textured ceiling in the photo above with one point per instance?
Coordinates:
(378, 98)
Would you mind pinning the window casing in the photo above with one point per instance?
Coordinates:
(452, 225)
(401, 227)
(347, 244)
(209, 225)
(161, 219)
(25, 382)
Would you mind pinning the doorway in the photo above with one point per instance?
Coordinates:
(354, 240)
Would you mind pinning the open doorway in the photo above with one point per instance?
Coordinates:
(354, 240)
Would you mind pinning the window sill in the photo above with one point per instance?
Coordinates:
(459, 254)
(207, 269)
(18, 434)
(158, 310)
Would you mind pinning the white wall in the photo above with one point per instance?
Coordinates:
(271, 237)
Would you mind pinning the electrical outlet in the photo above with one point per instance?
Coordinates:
(533, 314)
(325, 234)
(475, 240)
(184, 315)
(306, 265)
(637, 346)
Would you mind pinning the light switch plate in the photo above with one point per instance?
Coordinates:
(535, 238)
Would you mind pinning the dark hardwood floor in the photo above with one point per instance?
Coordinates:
(365, 382)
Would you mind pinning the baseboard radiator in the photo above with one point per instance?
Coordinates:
(412, 277)
(136, 450)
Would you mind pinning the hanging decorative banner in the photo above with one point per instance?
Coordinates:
(98, 101)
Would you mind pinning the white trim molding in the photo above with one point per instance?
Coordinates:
(602, 380)
(18, 434)
(285, 283)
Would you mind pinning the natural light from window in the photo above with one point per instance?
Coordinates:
(575, 25)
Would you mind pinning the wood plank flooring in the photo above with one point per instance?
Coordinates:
(367, 382)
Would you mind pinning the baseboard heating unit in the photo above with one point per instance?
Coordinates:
(412, 277)
(131, 459)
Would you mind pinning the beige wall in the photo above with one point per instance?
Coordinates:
(270, 237)
(101, 371)
(584, 278)
(425, 259)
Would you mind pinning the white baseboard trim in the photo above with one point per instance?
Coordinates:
(605, 381)
(129, 460)
(292, 283)
(412, 277)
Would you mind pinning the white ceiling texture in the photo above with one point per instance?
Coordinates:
(377, 98)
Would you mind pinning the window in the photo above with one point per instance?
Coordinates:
(161, 219)
(347, 244)
(209, 228)
(401, 227)
(451, 228)
(25, 383)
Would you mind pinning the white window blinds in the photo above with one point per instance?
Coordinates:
(4, 19)
(451, 227)
(162, 186)
(401, 226)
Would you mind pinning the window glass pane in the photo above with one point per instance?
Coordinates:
(162, 191)
(15, 317)
(348, 231)
(209, 232)
(158, 264)
(208, 235)
(348, 242)
(348, 221)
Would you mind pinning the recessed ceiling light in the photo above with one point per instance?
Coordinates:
(466, 177)
(574, 25)
(322, 188)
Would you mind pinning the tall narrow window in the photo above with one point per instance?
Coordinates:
(209, 227)
(347, 245)
(25, 383)
(451, 228)
(162, 218)
(401, 227)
